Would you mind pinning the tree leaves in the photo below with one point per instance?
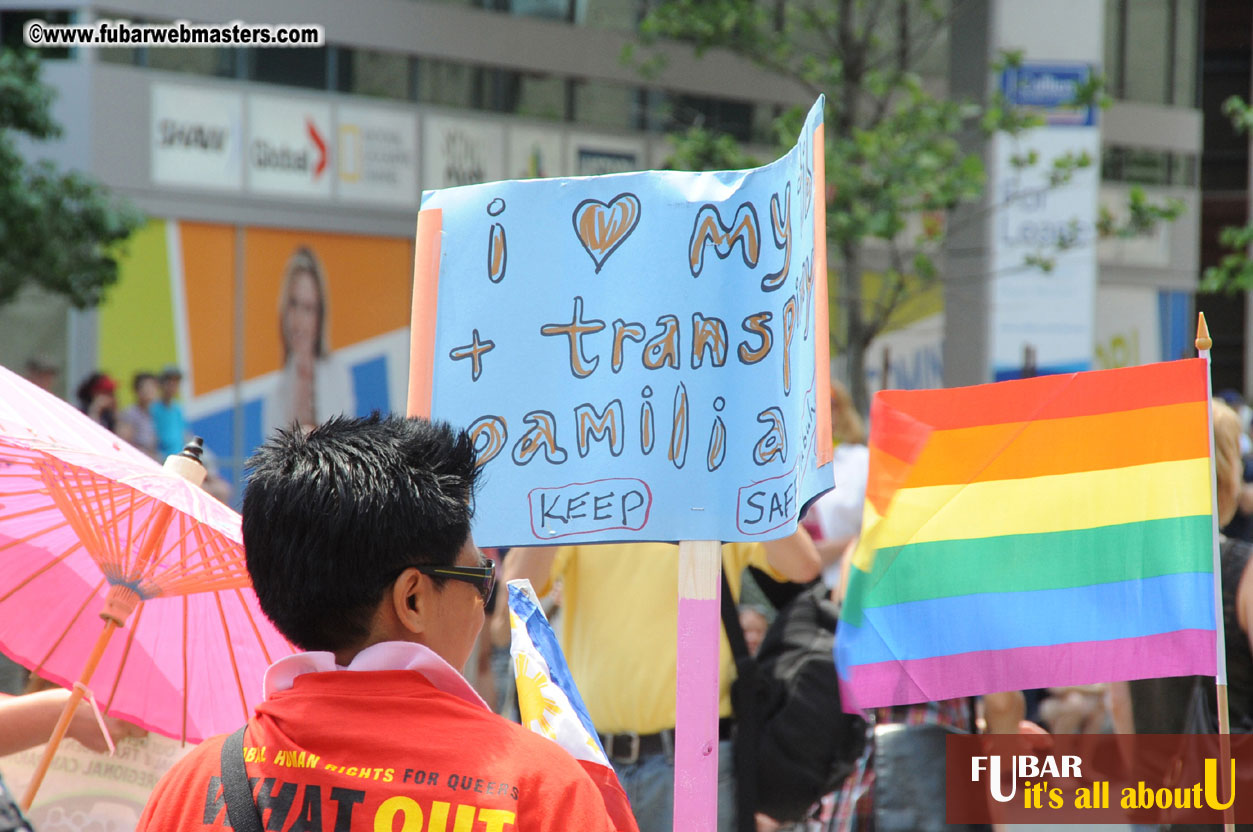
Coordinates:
(895, 149)
(1234, 273)
(60, 231)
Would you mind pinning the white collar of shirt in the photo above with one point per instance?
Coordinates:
(386, 655)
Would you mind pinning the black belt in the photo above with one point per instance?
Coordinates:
(629, 748)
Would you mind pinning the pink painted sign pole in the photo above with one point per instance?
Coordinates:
(697, 694)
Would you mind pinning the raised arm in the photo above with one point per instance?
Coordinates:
(27, 721)
(532, 563)
(794, 557)
(1004, 711)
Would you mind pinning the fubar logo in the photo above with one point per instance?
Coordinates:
(1024, 767)
(1021, 767)
(1095, 779)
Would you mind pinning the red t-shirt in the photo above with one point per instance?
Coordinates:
(343, 751)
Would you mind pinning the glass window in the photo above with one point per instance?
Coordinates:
(718, 114)
(367, 72)
(548, 9)
(609, 14)
(658, 111)
(123, 55)
(290, 67)
(551, 9)
(764, 118)
(1187, 15)
(211, 60)
(525, 94)
(601, 104)
(13, 21)
(1183, 170)
(929, 44)
(1113, 47)
(448, 83)
(1148, 40)
(1144, 166)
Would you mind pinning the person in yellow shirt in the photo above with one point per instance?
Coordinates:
(619, 625)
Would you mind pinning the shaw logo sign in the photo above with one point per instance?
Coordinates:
(206, 137)
(288, 153)
(196, 137)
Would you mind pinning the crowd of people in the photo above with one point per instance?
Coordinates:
(370, 519)
(154, 422)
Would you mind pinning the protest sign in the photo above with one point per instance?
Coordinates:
(85, 790)
(638, 356)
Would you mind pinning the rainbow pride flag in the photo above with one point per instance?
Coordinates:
(1048, 531)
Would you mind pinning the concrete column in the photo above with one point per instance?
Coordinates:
(1000, 315)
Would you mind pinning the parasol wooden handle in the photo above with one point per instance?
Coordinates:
(67, 714)
(119, 604)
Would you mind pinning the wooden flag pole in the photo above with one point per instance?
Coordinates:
(697, 693)
(1203, 345)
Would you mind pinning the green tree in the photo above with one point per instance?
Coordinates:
(59, 231)
(1234, 273)
(896, 153)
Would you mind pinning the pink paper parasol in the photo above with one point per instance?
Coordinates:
(90, 526)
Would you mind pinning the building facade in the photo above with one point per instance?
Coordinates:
(1132, 298)
(262, 168)
(266, 173)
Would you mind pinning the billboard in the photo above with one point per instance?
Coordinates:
(1044, 321)
(196, 137)
(461, 151)
(270, 326)
(377, 156)
(289, 146)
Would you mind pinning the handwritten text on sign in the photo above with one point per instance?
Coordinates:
(638, 356)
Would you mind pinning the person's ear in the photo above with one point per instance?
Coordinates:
(410, 600)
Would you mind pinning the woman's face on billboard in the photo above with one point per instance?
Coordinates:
(300, 316)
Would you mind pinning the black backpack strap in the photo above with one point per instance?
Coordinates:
(747, 725)
(237, 791)
(731, 623)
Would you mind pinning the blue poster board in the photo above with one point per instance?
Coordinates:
(638, 356)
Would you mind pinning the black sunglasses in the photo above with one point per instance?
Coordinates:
(483, 577)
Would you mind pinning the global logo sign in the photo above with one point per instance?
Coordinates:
(309, 158)
(288, 151)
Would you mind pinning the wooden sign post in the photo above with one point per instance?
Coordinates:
(697, 696)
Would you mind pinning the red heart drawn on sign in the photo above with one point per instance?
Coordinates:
(602, 227)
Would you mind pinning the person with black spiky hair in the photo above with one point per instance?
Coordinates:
(357, 538)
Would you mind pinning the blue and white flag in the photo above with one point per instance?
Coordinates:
(549, 703)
